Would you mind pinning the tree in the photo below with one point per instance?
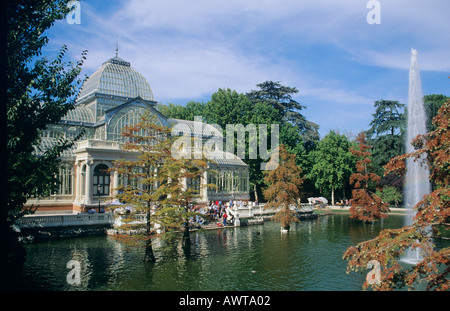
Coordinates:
(333, 163)
(283, 190)
(187, 112)
(432, 212)
(175, 170)
(432, 104)
(230, 107)
(365, 204)
(280, 98)
(390, 194)
(295, 144)
(39, 92)
(386, 134)
(227, 107)
(150, 144)
(264, 107)
(155, 178)
(260, 113)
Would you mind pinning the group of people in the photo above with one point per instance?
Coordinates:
(92, 210)
(218, 210)
(222, 213)
(343, 203)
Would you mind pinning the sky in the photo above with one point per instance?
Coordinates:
(340, 61)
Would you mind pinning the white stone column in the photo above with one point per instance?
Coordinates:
(184, 183)
(115, 183)
(78, 182)
(204, 188)
(88, 189)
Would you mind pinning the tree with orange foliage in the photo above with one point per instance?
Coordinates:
(432, 212)
(283, 191)
(365, 205)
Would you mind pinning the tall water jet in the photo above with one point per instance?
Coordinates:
(417, 183)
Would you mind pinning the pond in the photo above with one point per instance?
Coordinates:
(252, 258)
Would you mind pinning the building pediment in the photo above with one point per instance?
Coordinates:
(136, 102)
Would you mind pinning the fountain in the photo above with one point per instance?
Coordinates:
(417, 183)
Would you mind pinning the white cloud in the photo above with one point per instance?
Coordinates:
(189, 49)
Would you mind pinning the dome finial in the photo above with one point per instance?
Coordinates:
(117, 45)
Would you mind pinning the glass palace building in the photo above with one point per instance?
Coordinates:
(113, 97)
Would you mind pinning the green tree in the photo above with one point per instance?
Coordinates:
(280, 97)
(227, 107)
(333, 163)
(187, 112)
(171, 110)
(260, 114)
(40, 91)
(297, 133)
(295, 144)
(386, 134)
(390, 195)
(432, 104)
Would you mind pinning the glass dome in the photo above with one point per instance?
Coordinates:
(116, 77)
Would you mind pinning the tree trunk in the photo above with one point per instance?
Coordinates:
(149, 256)
(332, 195)
(186, 234)
(256, 192)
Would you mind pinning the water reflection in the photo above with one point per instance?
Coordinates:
(260, 257)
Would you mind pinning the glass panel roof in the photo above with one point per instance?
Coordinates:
(48, 143)
(80, 114)
(116, 77)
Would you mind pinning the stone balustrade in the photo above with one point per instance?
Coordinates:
(47, 221)
(92, 143)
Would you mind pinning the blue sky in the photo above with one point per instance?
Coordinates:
(339, 62)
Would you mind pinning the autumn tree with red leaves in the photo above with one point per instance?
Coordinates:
(283, 187)
(432, 212)
(365, 204)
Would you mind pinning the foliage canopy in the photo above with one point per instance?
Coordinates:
(433, 211)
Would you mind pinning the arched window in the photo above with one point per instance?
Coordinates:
(126, 117)
(101, 180)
